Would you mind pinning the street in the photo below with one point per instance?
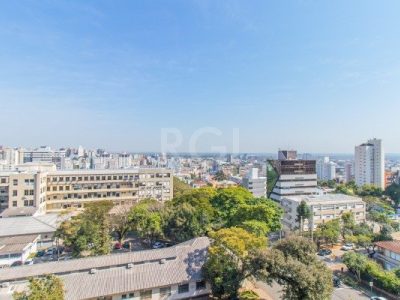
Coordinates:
(342, 293)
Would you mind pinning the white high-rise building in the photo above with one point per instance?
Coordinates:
(370, 164)
(326, 169)
(255, 184)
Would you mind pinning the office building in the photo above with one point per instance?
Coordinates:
(168, 273)
(323, 208)
(255, 184)
(46, 189)
(295, 177)
(370, 164)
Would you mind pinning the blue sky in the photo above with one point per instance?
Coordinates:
(318, 76)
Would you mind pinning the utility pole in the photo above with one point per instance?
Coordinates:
(301, 225)
(312, 231)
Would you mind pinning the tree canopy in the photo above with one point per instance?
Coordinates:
(226, 266)
(89, 231)
(50, 287)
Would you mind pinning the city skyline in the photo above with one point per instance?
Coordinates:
(316, 77)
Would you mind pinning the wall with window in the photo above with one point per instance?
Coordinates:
(173, 292)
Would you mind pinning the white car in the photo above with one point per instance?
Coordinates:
(347, 247)
(158, 245)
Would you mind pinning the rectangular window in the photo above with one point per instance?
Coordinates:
(26, 203)
(165, 292)
(15, 193)
(200, 285)
(145, 295)
(14, 203)
(183, 288)
(30, 202)
(15, 182)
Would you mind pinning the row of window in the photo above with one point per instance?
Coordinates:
(165, 291)
(26, 203)
(108, 177)
(26, 193)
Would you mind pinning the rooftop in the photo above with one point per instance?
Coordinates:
(16, 244)
(393, 246)
(29, 225)
(325, 198)
(119, 273)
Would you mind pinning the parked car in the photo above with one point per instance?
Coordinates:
(117, 246)
(29, 262)
(40, 253)
(158, 245)
(16, 263)
(347, 247)
(126, 245)
(324, 252)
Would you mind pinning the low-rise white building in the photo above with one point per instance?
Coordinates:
(323, 208)
(17, 249)
(388, 253)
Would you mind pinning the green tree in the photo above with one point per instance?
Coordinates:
(46, 288)
(370, 190)
(88, 232)
(348, 223)
(298, 248)
(262, 210)
(184, 222)
(393, 191)
(303, 213)
(226, 202)
(120, 222)
(328, 232)
(293, 265)
(355, 262)
(255, 227)
(146, 219)
(226, 265)
(180, 187)
(385, 233)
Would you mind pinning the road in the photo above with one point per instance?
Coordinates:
(342, 293)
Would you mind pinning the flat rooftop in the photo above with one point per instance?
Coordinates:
(325, 199)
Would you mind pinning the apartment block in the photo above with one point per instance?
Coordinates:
(323, 208)
(75, 188)
(370, 163)
(49, 190)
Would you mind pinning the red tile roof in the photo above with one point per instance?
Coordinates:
(393, 246)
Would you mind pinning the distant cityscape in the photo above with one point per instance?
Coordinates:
(42, 190)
